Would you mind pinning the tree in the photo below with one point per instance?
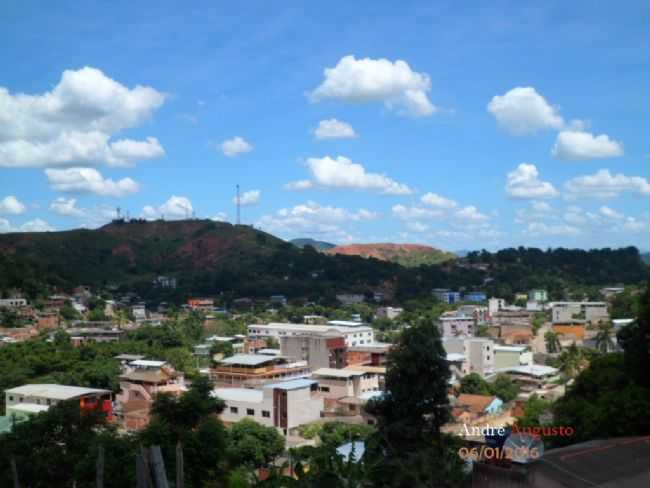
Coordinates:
(533, 408)
(571, 361)
(409, 449)
(474, 384)
(552, 342)
(504, 388)
(635, 341)
(253, 444)
(604, 341)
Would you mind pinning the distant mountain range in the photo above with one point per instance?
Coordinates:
(408, 255)
(646, 257)
(318, 245)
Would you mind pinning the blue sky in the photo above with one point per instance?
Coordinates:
(481, 125)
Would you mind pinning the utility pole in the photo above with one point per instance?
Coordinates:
(238, 206)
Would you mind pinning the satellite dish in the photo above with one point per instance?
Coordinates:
(523, 448)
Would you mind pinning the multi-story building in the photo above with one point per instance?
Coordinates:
(479, 313)
(590, 312)
(255, 369)
(284, 405)
(509, 356)
(354, 335)
(319, 350)
(478, 352)
(453, 324)
(495, 305)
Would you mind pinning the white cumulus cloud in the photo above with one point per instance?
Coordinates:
(523, 111)
(437, 201)
(604, 184)
(343, 173)
(334, 129)
(174, 208)
(74, 122)
(377, 80)
(11, 205)
(250, 197)
(542, 229)
(235, 146)
(89, 180)
(299, 185)
(67, 207)
(577, 145)
(36, 225)
(524, 182)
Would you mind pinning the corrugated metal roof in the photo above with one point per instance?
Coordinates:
(247, 359)
(28, 408)
(55, 392)
(147, 363)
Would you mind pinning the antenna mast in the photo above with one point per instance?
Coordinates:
(238, 207)
(118, 211)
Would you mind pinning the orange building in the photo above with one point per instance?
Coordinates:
(577, 331)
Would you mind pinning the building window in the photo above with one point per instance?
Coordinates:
(266, 414)
(326, 389)
(250, 411)
(234, 410)
(11, 399)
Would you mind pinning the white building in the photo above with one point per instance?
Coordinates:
(13, 302)
(284, 405)
(478, 353)
(354, 336)
(495, 305)
(592, 312)
(389, 312)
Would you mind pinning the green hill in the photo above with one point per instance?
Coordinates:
(211, 258)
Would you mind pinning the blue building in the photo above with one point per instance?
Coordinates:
(475, 296)
(446, 296)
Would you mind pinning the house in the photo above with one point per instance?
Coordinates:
(204, 304)
(24, 401)
(140, 382)
(314, 319)
(13, 302)
(575, 331)
(477, 405)
(82, 335)
(474, 296)
(164, 282)
(611, 291)
(338, 384)
(353, 332)
(374, 354)
(278, 300)
(531, 377)
(446, 296)
(283, 405)
(538, 295)
(389, 312)
(254, 369)
(350, 298)
(478, 313)
(139, 313)
(319, 350)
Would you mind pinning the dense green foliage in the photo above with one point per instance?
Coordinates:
(502, 387)
(254, 445)
(211, 258)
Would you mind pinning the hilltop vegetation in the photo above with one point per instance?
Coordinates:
(211, 258)
(408, 255)
(318, 245)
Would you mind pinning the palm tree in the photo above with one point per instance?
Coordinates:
(604, 341)
(571, 361)
(552, 342)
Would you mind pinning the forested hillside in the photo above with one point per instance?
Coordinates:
(210, 257)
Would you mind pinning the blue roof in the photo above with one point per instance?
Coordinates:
(292, 384)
